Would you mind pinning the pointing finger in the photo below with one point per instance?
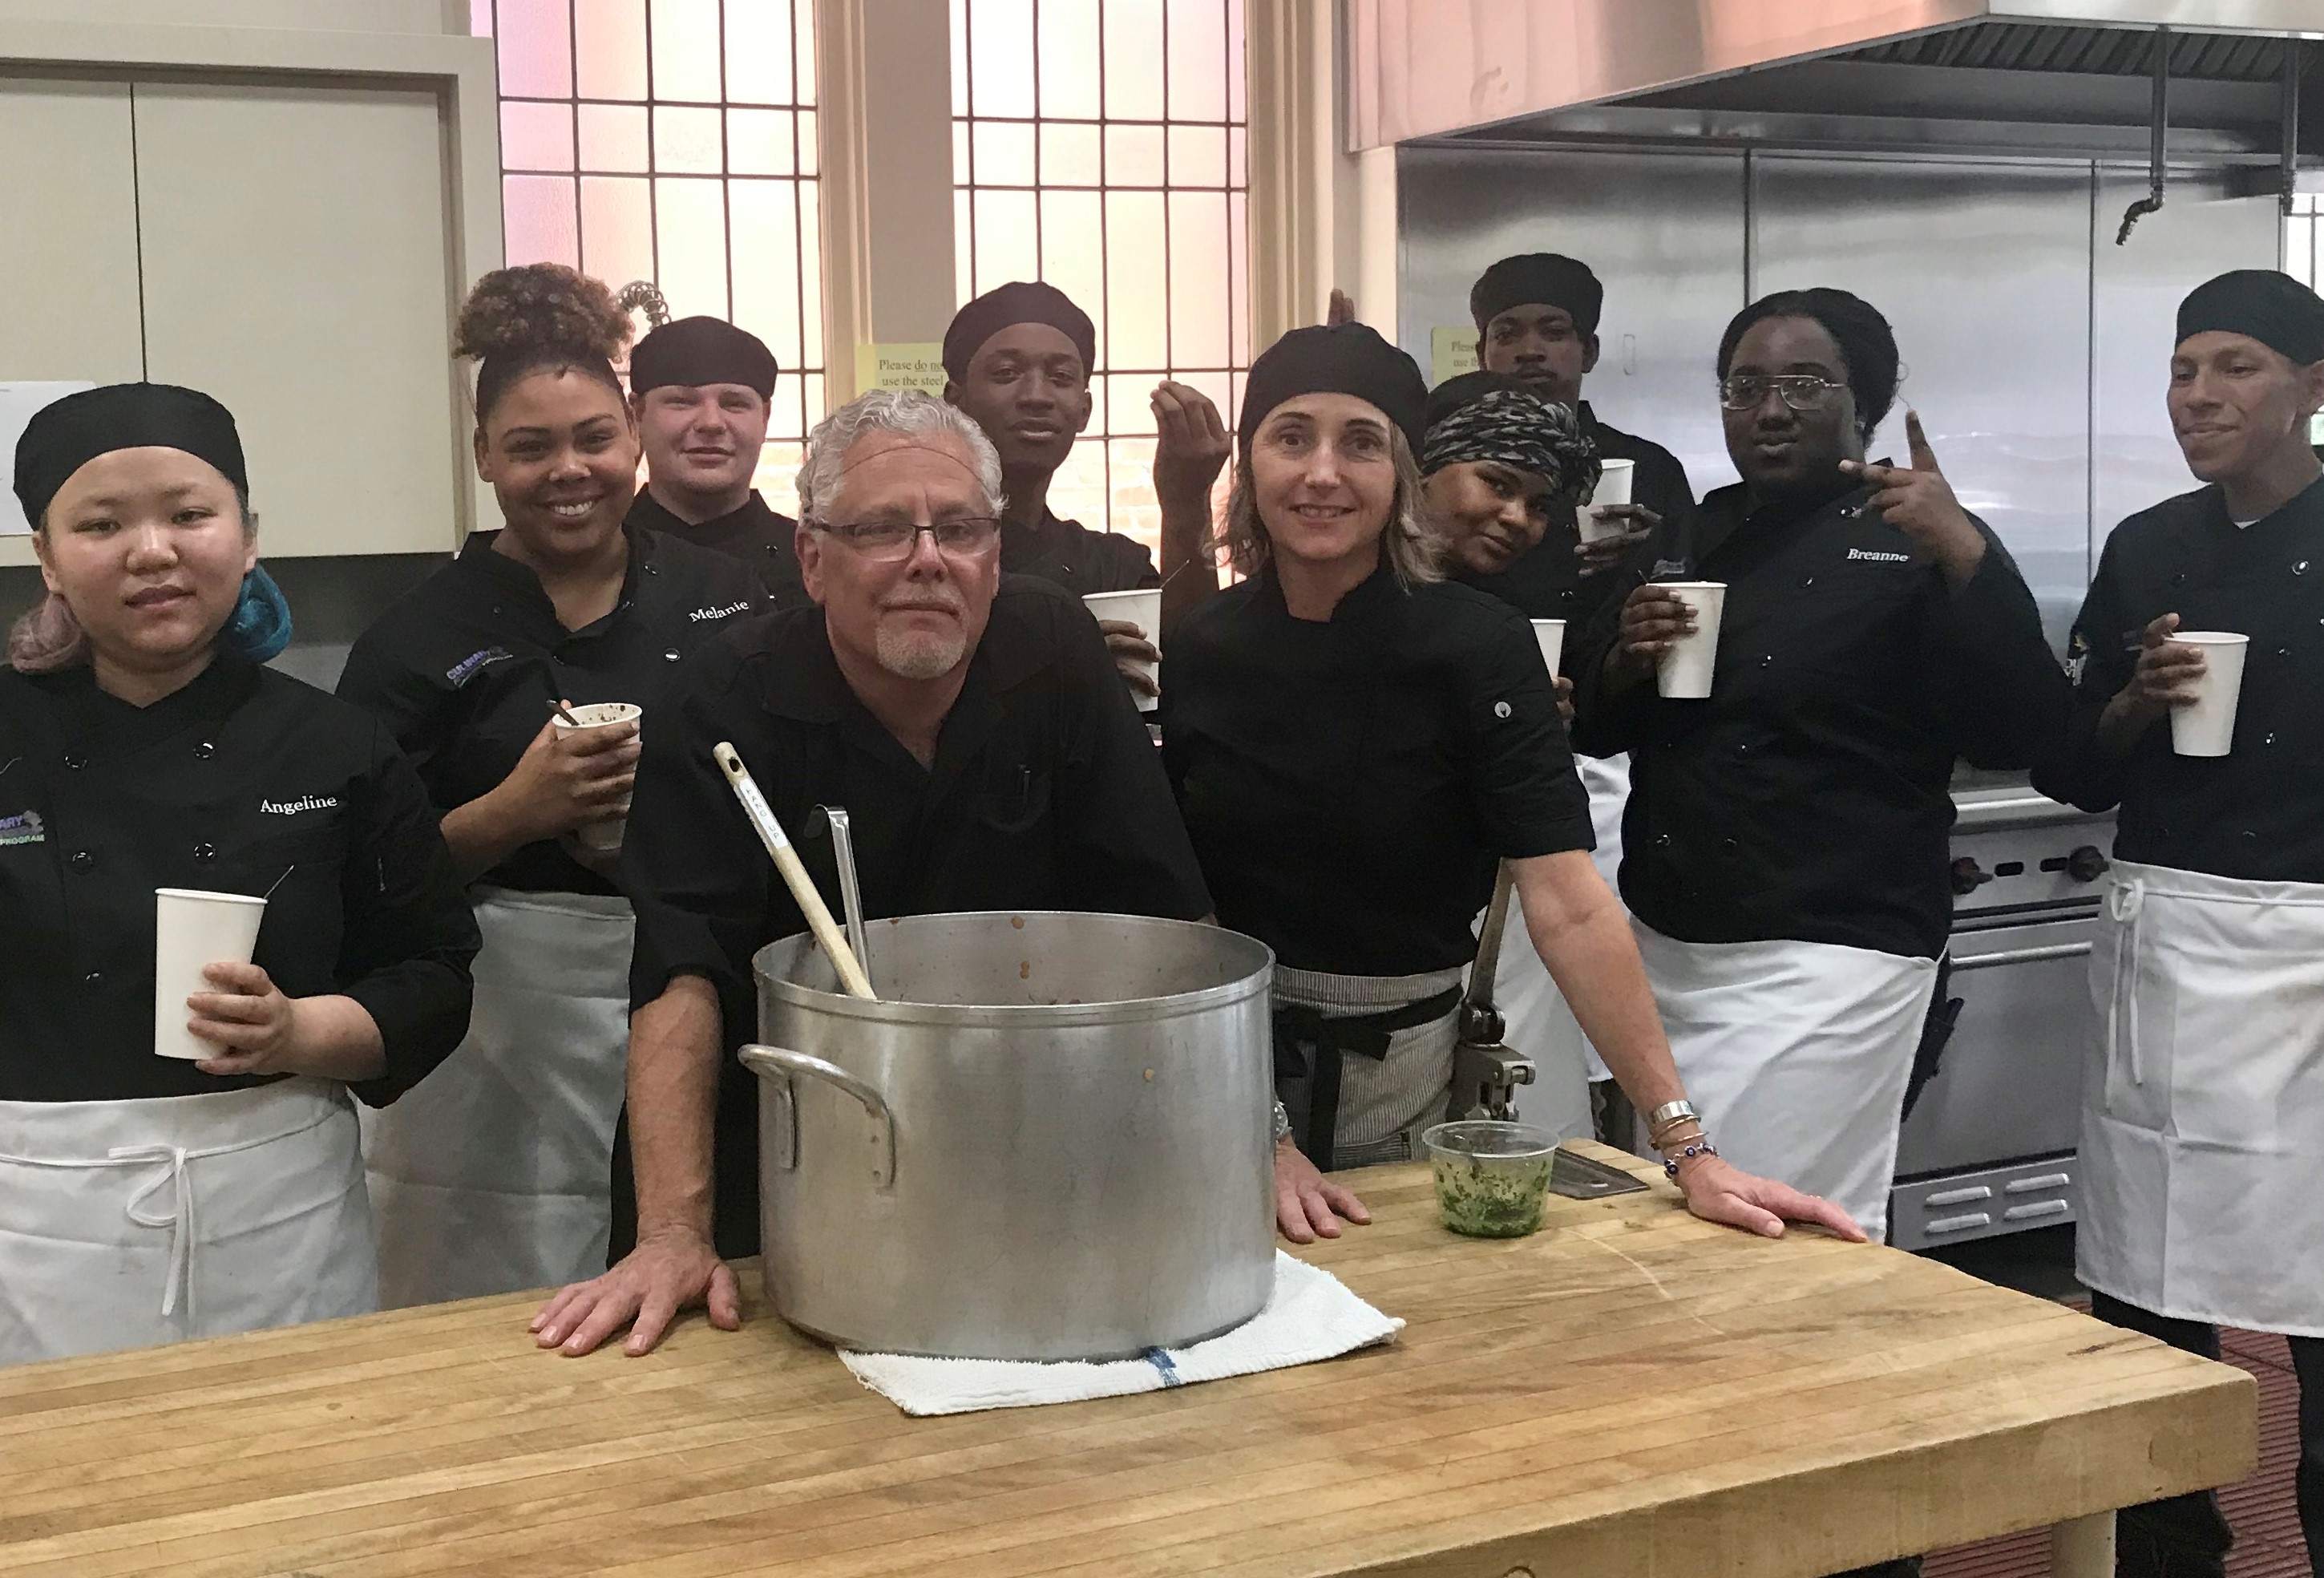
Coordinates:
(1923, 458)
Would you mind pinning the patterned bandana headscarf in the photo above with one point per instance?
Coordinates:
(1495, 419)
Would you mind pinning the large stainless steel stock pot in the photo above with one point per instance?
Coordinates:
(1050, 1137)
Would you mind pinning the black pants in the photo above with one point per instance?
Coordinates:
(2187, 1536)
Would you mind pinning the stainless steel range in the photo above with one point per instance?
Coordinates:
(1989, 1146)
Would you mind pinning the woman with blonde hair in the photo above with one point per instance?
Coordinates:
(1356, 745)
(172, 1164)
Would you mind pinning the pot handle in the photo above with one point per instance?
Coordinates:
(781, 1062)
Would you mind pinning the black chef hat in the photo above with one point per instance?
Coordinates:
(1004, 307)
(1546, 277)
(1485, 415)
(696, 351)
(1339, 358)
(2262, 304)
(65, 436)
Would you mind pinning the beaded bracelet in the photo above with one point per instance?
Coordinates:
(1695, 1147)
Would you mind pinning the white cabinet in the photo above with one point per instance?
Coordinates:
(296, 267)
(286, 220)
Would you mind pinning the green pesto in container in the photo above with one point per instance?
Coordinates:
(1492, 1176)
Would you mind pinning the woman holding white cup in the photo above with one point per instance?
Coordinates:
(1786, 849)
(519, 677)
(142, 748)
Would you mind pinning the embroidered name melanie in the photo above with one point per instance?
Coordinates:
(1879, 556)
(24, 828)
(292, 808)
(704, 615)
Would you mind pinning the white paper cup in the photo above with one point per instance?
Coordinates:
(1140, 608)
(191, 932)
(1550, 634)
(603, 837)
(1686, 668)
(1614, 480)
(2208, 728)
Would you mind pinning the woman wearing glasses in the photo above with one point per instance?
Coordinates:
(1785, 849)
(494, 1173)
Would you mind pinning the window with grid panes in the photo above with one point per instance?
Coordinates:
(675, 140)
(1098, 144)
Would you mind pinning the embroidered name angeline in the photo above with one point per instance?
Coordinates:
(292, 808)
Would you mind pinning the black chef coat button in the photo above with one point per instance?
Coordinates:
(1662, 841)
(94, 978)
(2300, 568)
(2179, 579)
(2283, 652)
(82, 862)
(205, 853)
(1805, 582)
(669, 657)
(205, 751)
(1766, 660)
(1742, 750)
(1500, 709)
(1729, 845)
(653, 569)
(2250, 836)
(2267, 740)
(75, 761)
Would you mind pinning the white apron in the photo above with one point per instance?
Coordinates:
(2202, 1149)
(494, 1173)
(1796, 1055)
(125, 1224)
(1538, 1022)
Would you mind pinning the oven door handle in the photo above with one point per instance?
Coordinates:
(2019, 955)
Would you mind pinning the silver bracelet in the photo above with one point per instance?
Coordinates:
(1670, 1113)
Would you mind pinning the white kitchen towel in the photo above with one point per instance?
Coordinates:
(1311, 1316)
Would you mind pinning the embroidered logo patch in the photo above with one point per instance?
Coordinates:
(26, 827)
(1879, 556)
(704, 615)
(461, 672)
(292, 808)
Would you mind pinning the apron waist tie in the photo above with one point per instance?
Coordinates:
(179, 1180)
(1300, 1031)
(2125, 903)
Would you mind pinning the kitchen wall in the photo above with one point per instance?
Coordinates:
(2034, 348)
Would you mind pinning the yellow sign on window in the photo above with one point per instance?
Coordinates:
(1451, 352)
(903, 365)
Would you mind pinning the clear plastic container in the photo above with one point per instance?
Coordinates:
(1492, 1178)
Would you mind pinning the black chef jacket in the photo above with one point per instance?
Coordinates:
(1807, 798)
(2258, 812)
(238, 778)
(762, 537)
(1076, 558)
(1351, 783)
(463, 668)
(1547, 582)
(1044, 795)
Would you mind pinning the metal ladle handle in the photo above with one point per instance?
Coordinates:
(780, 1064)
(851, 891)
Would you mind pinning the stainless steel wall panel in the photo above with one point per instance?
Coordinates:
(1664, 231)
(1984, 272)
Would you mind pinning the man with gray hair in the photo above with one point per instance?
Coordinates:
(974, 726)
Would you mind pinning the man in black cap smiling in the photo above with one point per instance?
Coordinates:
(2203, 1100)
(1019, 360)
(700, 388)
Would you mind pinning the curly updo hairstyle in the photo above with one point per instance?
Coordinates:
(1868, 346)
(540, 318)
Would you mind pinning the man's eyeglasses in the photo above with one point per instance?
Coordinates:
(961, 537)
(1800, 391)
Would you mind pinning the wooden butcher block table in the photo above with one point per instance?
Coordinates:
(1629, 1392)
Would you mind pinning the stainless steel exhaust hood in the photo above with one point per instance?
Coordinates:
(2068, 77)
